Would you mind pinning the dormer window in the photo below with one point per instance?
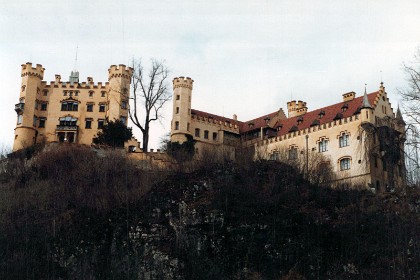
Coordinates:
(321, 114)
(251, 125)
(338, 116)
(344, 107)
(279, 127)
(315, 123)
(299, 120)
(267, 120)
(294, 128)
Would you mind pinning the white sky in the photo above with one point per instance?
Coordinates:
(247, 57)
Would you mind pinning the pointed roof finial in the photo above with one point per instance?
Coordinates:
(365, 103)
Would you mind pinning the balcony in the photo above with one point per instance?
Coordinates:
(67, 127)
(19, 107)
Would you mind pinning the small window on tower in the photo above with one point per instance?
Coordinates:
(177, 110)
(41, 122)
(177, 97)
(88, 123)
(100, 123)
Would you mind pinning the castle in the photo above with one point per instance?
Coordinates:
(68, 111)
(360, 138)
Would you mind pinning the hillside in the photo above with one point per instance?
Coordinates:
(74, 214)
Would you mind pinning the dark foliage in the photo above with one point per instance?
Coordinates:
(114, 134)
(181, 152)
(257, 221)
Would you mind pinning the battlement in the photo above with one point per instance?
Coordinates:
(82, 85)
(296, 108)
(28, 70)
(121, 70)
(349, 96)
(183, 82)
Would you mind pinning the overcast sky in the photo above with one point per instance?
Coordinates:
(246, 57)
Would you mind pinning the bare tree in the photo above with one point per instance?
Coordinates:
(411, 94)
(150, 92)
(411, 109)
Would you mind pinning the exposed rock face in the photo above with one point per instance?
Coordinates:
(262, 221)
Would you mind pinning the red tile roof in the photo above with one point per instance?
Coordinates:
(330, 112)
(215, 117)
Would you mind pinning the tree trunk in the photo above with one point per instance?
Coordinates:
(146, 137)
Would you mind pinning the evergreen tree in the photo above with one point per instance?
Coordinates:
(113, 133)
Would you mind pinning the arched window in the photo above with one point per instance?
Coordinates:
(345, 163)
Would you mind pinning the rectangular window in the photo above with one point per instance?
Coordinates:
(214, 136)
(177, 110)
(64, 93)
(323, 146)
(344, 140)
(293, 153)
(123, 104)
(176, 125)
(123, 119)
(69, 106)
(36, 104)
(68, 121)
(102, 93)
(89, 107)
(101, 107)
(88, 123)
(43, 106)
(177, 97)
(197, 132)
(206, 134)
(19, 119)
(35, 119)
(100, 123)
(344, 164)
(274, 156)
(41, 122)
(90, 93)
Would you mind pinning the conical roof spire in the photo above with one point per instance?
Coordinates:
(398, 115)
(365, 103)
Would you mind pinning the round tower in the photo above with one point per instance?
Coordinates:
(118, 94)
(181, 116)
(27, 108)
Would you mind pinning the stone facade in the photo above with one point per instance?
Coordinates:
(360, 138)
(68, 111)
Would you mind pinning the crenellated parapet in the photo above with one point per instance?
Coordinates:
(28, 70)
(82, 85)
(120, 71)
(182, 82)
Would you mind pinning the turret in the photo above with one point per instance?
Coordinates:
(366, 109)
(296, 108)
(119, 78)
(27, 108)
(181, 109)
